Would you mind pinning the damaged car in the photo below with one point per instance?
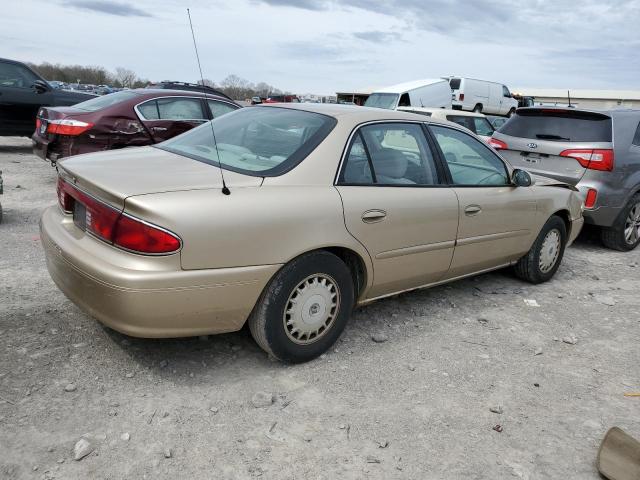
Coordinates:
(128, 118)
(291, 217)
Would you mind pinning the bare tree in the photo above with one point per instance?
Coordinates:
(125, 77)
(235, 87)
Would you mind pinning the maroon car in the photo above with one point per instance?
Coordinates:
(123, 119)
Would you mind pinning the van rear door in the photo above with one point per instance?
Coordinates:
(557, 143)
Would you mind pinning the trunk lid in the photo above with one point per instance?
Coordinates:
(536, 137)
(114, 175)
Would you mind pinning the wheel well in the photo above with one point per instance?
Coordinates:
(478, 105)
(566, 218)
(355, 264)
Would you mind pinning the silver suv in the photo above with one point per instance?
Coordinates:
(597, 151)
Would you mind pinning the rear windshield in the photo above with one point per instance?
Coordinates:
(454, 83)
(560, 125)
(255, 140)
(382, 100)
(105, 101)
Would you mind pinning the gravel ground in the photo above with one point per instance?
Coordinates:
(416, 404)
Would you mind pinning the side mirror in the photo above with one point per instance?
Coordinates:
(521, 178)
(41, 86)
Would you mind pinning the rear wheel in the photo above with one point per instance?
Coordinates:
(543, 259)
(305, 307)
(478, 108)
(624, 235)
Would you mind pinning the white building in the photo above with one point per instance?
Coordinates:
(595, 99)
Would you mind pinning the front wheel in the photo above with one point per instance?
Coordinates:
(543, 259)
(304, 308)
(625, 233)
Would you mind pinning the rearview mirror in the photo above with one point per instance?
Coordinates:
(41, 86)
(521, 178)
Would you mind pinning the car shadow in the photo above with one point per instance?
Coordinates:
(21, 149)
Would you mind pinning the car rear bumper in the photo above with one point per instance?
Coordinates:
(40, 147)
(151, 296)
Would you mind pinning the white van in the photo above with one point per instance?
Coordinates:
(481, 96)
(419, 93)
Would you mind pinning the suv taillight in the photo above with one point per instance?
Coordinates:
(498, 144)
(68, 126)
(593, 159)
(115, 227)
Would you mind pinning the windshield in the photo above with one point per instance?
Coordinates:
(255, 140)
(105, 101)
(382, 100)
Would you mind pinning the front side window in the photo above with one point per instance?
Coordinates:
(389, 154)
(382, 100)
(505, 92)
(470, 162)
(220, 108)
(255, 140)
(16, 76)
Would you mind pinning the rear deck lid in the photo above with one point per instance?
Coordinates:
(540, 140)
(114, 175)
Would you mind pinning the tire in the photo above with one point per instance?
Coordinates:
(535, 266)
(629, 218)
(478, 108)
(313, 278)
(511, 113)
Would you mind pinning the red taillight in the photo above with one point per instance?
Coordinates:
(114, 227)
(68, 126)
(590, 201)
(132, 234)
(461, 97)
(64, 199)
(38, 123)
(498, 144)
(593, 159)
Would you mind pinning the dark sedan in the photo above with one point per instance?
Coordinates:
(123, 119)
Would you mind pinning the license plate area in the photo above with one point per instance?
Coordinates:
(80, 215)
(43, 127)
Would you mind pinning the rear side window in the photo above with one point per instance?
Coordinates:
(559, 125)
(478, 125)
(636, 138)
(390, 154)
(454, 83)
(180, 109)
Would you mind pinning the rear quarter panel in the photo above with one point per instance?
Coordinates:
(253, 226)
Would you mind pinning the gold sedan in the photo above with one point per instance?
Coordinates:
(291, 216)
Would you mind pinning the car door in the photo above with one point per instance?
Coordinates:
(396, 205)
(496, 217)
(19, 101)
(166, 117)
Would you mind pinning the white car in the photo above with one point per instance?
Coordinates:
(483, 96)
(419, 93)
(476, 122)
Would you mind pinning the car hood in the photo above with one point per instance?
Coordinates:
(117, 174)
(540, 180)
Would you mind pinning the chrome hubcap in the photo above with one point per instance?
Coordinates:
(549, 251)
(311, 309)
(632, 225)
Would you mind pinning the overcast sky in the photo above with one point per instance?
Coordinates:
(324, 46)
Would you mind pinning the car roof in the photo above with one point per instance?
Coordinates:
(167, 92)
(610, 113)
(444, 111)
(354, 113)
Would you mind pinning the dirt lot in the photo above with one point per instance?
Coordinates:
(414, 406)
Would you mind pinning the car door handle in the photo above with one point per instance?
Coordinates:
(159, 129)
(373, 216)
(471, 210)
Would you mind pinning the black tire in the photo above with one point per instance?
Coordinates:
(478, 108)
(614, 237)
(529, 267)
(267, 321)
(511, 112)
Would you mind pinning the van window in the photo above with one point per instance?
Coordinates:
(505, 92)
(559, 125)
(405, 101)
(454, 83)
(382, 100)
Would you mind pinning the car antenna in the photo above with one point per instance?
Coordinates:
(569, 97)
(225, 189)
